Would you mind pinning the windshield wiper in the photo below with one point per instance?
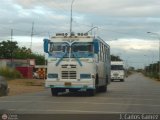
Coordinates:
(78, 60)
(61, 59)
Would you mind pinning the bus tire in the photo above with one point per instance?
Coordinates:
(54, 92)
(107, 80)
(97, 80)
(102, 88)
(91, 92)
(122, 80)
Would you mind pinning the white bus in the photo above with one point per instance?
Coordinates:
(77, 63)
(117, 70)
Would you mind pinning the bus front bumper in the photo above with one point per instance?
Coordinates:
(70, 85)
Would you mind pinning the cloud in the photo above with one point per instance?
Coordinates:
(36, 44)
(136, 52)
(116, 17)
(134, 44)
(25, 3)
(116, 8)
(124, 20)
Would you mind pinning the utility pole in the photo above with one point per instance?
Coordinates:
(158, 36)
(11, 34)
(32, 35)
(28, 60)
(11, 48)
(71, 19)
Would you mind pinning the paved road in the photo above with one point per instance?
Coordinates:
(137, 94)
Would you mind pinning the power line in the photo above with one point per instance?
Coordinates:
(15, 29)
(104, 29)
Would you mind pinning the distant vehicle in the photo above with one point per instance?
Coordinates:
(3, 86)
(77, 63)
(117, 70)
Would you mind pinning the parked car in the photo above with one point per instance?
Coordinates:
(3, 86)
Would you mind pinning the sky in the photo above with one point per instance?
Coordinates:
(123, 24)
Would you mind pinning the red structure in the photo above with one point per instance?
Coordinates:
(24, 66)
(27, 72)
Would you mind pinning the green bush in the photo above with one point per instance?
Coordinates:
(151, 75)
(10, 73)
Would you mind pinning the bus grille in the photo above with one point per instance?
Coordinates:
(69, 74)
(66, 66)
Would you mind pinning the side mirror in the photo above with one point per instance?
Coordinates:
(96, 46)
(45, 45)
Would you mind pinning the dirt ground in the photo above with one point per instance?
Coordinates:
(20, 86)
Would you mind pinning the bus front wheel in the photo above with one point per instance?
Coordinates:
(102, 88)
(91, 92)
(122, 80)
(54, 92)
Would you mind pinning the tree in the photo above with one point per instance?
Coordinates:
(26, 53)
(7, 48)
(39, 59)
(115, 58)
(10, 49)
(22, 53)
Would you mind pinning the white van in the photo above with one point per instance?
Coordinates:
(117, 70)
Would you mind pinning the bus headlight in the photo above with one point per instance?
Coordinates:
(52, 75)
(85, 76)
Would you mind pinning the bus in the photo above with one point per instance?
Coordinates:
(117, 70)
(78, 62)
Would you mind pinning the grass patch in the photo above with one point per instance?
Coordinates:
(10, 73)
(33, 83)
(152, 75)
(21, 86)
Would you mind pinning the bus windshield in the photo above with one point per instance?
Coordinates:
(77, 49)
(59, 49)
(116, 67)
(82, 49)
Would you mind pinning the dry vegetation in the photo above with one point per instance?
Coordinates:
(20, 86)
